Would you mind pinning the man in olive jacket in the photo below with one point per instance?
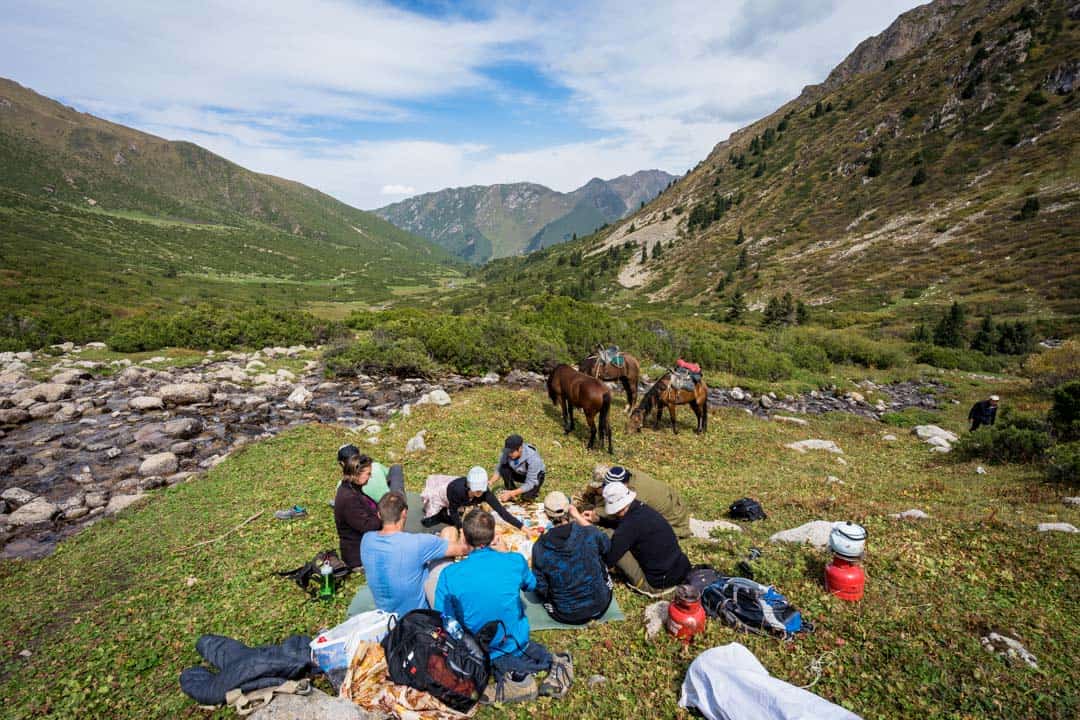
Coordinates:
(658, 495)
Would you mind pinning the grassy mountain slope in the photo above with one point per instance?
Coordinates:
(97, 212)
(480, 222)
(900, 180)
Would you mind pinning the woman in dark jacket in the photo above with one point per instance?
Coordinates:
(354, 512)
(461, 493)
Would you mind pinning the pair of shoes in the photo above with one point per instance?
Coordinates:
(559, 678)
(296, 511)
(508, 690)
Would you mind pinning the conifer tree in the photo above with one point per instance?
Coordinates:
(802, 313)
(736, 306)
(743, 260)
(984, 340)
(741, 238)
(950, 330)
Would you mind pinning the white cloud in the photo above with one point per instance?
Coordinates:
(398, 190)
(272, 86)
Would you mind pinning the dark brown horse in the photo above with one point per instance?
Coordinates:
(628, 374)
(661, 394)
(569, 388)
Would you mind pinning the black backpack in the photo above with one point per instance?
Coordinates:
(421, 653)
(303, 575)
(746, 509)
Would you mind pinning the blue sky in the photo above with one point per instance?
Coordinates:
(374, 101)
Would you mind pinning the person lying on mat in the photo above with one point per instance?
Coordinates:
(568, 560)
(461, 493)
(397, 563)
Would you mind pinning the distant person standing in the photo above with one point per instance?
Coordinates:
(983, 412)
(521, 469)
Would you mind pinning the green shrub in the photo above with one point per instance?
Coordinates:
(380, 355)
(67, 321)
(1016, 437)
(1063, 463)
(1064, 417)
(208, 328)
(849, 347)
(958, 359)
(910, 417)
(1053, 367)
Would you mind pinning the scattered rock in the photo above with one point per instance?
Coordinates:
(159, 464)
(14, 416)
(1057, 527)
(43, 392)
(655, 616)
(38, 510)
(299, 398)
(595, 681)
(815, 444)
(703, 528)
(790, 420)
(938, 441)
(25, 654)
(183, 427)
(437, 396)
(96, 499)
(185, 393)
(146, 402)
(1012, 649)
(833, 480)
(489, 379)
(416, 443)
(315, 706)
(152, 483)
(1071, 501)
(70, 377)
(815, 532)
(912, 514)
(889, 438)
(122, 502)
(16, 497)
(925, 432)
(765, 401)
(940, 449)
(980, 470)
(737, 394)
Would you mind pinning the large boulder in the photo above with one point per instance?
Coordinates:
(37, 511)
(159, 464)
(815, 532)
(925, 432)
(185, 393)
(17, 497)
(146, 402)
(42, 392)
(315, 706)
(438, 396)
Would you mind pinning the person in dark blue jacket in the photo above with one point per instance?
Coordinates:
(568, 561)
(983, 412)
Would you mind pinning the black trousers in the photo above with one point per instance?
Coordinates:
(511, 480)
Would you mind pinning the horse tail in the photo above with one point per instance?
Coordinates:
(605, 426)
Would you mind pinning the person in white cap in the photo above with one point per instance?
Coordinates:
(658, 495)
(464, 492)
(643, 547)
(983, 412)
(572, 579)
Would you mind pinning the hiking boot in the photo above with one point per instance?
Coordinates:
(649, 591)
(508, 690)
(559, 678)
(292, 513)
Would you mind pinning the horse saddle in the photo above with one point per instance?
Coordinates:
(684, 379)
(611, 356)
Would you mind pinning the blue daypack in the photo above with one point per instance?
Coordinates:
(753, 607)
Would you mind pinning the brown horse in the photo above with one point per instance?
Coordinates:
(662, 394)
(628, 374)
(569, 388)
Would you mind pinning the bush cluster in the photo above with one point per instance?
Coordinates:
(1015, 437)
(1054, 367)
(208, 328)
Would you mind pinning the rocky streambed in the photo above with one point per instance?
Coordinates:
(95, 436)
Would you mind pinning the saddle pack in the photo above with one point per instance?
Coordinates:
(685, 376)
(611, 356)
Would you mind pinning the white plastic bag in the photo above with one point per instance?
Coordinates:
(334, 648)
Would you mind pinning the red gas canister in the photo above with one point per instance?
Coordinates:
(845, 579)
(686, 617)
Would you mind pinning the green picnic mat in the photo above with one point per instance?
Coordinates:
(538, 616)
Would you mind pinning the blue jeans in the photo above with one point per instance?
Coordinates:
(533, 658)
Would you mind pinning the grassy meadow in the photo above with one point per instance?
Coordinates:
(111, 619)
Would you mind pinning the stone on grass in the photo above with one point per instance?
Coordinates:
(833, 480)
(655, 616)
(889, 437)
(940, 449)
(299, 397)
(416, 443)
(489, 379)
(925, 432)
(1012, 649)
(790, 420)
(1071, 501)
(703, 528)
(815, 532)
(185, 393)
(315, 706)
(38, 510)
(96, 499)
(912, 514)
(122, 502)
(159, 464)
(438, 396)
(1057, 527)
(737, 394)
(938, 441)
(980, 470)
(815, 444)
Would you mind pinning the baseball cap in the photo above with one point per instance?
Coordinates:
(616, 497)
(514, 442)
(556, 504)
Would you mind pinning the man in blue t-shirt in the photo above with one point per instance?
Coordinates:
(397, 563)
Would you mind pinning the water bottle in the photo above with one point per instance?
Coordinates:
(326, 587)
(454, 628)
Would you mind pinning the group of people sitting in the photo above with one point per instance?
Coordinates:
(625, 521)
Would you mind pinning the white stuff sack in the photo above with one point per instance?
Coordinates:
(333, 649)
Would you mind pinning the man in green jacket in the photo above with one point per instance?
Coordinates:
(658, 495)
